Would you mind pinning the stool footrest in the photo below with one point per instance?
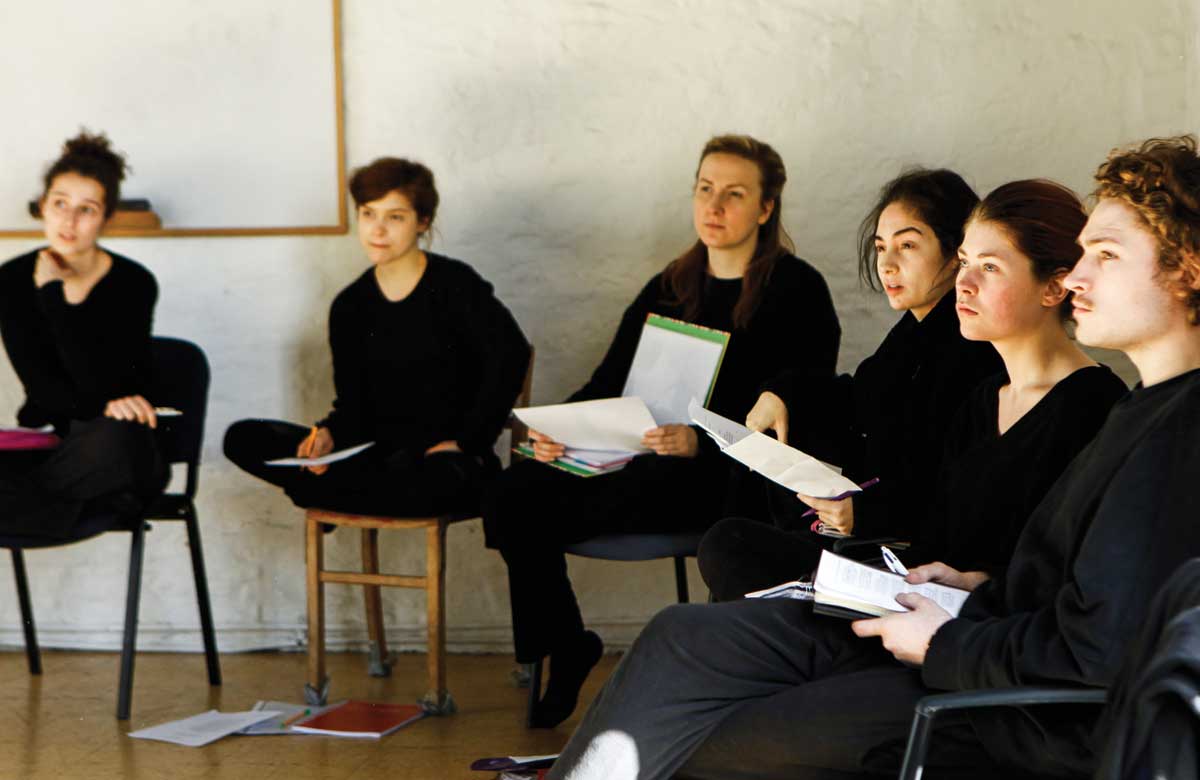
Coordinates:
(359, 578)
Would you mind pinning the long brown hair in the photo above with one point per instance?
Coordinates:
(684, 278)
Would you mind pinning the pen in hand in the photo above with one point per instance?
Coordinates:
(864, 486)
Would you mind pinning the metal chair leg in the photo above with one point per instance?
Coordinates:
(32, 654)
(535, 691)
(211, 659)
(681, 583)
(132, 599)
(918, 746)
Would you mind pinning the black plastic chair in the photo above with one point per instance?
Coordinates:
(627, 547)
(180, 380)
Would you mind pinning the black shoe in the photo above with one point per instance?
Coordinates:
(569, 668)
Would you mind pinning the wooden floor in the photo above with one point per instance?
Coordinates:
(61, 724)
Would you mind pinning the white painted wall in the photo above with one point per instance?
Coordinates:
(564, 136)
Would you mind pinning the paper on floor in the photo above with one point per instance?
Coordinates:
(203, 728)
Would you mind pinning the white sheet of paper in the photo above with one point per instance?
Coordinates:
(843, 577)
(203, 728)
(669, 369)
(723, 431)
(19, 429)
(332, 457)
(788, 466)
(603, 424)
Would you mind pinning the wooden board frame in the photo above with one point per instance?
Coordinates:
(340, 228)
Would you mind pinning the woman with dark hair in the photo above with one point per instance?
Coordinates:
(76, 320)
(738, 276)
(1015, 432)
(889, 421)
(426, 364)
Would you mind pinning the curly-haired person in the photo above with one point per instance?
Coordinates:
(765, 688)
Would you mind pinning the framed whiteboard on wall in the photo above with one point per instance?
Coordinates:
(228, 111)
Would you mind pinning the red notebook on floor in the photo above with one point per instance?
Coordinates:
(360, 719)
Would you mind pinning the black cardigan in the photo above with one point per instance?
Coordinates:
(72, 359)
(795, 324)
(1107, 536)
(443, 364)
(890, 419)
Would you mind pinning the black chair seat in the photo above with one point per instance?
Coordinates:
(637, 547)
(88, 527)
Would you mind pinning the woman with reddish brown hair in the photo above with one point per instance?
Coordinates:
(426, 365)
(1012, 434)
(738, 276)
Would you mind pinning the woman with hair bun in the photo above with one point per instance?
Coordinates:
(76, 321)
(426, 364)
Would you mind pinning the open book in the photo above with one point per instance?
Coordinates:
(846, 588)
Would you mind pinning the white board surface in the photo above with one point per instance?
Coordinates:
(226, 110)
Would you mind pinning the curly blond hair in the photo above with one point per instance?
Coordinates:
(1160, 180)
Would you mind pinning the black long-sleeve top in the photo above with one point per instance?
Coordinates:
(890, 420)
(72, 359)
(1108, 534)
(991, 483)
(443, 364)
(795, 324)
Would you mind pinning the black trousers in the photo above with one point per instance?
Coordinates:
(374, 482)
(756, 689)
(739, 555)
(533, 510)
(103, 466)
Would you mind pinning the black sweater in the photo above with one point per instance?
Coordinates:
(795, 324)
(990, 484)
(73, 359)
(1108, 534)
(890, 420)
(443, 364)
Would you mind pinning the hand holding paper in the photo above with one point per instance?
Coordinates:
(604, 424)
(784, 465)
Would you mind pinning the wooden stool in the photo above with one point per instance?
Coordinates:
(437, 700)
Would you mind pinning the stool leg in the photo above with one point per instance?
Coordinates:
(316, 690)
(377, 664)
(437, 701)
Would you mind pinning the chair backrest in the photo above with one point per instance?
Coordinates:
(179, 379)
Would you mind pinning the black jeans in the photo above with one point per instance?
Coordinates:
(374, 482)
(756, 689)
(102, 466)
(533, 510)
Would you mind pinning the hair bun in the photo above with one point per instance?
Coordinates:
(97, 148)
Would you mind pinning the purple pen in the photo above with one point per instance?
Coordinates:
(864, 486)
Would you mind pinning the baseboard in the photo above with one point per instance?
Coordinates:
(617, 636)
